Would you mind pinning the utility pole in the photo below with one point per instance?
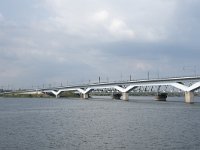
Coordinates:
(191, 68)
(148, 75)
(99, 79)
(107, 79)
(158, 74)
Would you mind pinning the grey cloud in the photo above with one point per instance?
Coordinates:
(64, 43)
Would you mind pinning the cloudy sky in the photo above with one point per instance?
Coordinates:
(45, 42)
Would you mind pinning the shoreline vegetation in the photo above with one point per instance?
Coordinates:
(39, 95)
(70, 94)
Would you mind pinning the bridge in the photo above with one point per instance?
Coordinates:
(126, 86)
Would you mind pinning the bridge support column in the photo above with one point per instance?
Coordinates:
(125, 96)
(189, 97)
(57, 96)
(85, 96)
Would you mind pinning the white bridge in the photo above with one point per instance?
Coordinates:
(127, 86)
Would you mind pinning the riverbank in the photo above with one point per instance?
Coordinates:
(39, 95)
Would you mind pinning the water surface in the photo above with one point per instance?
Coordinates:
(99, 123)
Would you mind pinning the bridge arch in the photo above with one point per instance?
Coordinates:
(126, 87)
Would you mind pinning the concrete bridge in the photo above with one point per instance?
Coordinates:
(125, 87)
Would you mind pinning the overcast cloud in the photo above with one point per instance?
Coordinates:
(45, 42)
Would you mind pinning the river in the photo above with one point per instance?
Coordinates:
(99, 123)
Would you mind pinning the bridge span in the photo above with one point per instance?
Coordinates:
(125, 87)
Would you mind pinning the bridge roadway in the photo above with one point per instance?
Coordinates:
(127, 86)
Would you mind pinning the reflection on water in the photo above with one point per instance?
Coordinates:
(99, 123)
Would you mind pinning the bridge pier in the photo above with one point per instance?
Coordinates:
(84, 96)
(189, 97)
(125, 96)
(57, 95)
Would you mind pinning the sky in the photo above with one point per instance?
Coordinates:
(60, 42)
